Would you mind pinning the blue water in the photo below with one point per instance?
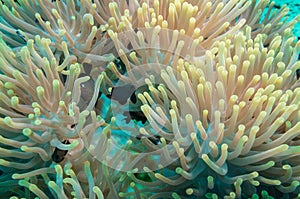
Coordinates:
(294, 6)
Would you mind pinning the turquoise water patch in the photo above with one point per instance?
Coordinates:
(294, 10)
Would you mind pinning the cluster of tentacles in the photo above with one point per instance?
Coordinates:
(148, 99)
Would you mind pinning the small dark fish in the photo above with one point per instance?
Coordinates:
(129, 91)
(87, 92)
(87, 67)
(122, 93)
(155, 139)
(87, 88)
(135, 115)
(58, 154)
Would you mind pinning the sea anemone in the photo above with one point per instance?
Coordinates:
(123, 99)
(225, 123)
(207, 20)
(39, 107)
(69, 21)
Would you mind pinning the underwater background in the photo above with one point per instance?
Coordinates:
(294, 11)
(149, 99)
